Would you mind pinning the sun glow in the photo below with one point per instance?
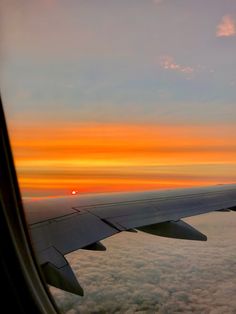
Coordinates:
(106, 157)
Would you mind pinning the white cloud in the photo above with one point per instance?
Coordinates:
(226, 27)
(168, 63)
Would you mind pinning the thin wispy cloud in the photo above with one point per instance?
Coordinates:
(226, 27)
(168, 63)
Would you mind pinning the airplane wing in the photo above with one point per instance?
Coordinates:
(62, 225)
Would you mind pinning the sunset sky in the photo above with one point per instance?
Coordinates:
(119, 95)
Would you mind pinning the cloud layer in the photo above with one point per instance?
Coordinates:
(140, 273)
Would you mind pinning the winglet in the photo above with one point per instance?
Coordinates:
(174, 229)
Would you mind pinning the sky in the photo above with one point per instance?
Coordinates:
(107, 95)
(119, 95)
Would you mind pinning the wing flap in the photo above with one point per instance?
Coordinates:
(62, 278)
(69, 233)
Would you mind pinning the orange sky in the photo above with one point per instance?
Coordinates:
(56, 159)
(170, 110)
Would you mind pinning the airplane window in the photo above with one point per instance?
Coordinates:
(126, 96)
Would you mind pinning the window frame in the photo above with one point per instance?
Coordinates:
(21, 276)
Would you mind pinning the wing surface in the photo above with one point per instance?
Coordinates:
(61, 225)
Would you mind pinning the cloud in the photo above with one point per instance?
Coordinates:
(140, 273)
(168, 63)
(226, 27)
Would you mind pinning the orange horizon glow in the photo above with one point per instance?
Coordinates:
(56, 159)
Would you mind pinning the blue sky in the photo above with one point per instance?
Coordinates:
(150, 57)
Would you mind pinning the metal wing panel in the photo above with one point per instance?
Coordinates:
(140, 213)
(90, 219)
(69, 233)
(60, 226)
